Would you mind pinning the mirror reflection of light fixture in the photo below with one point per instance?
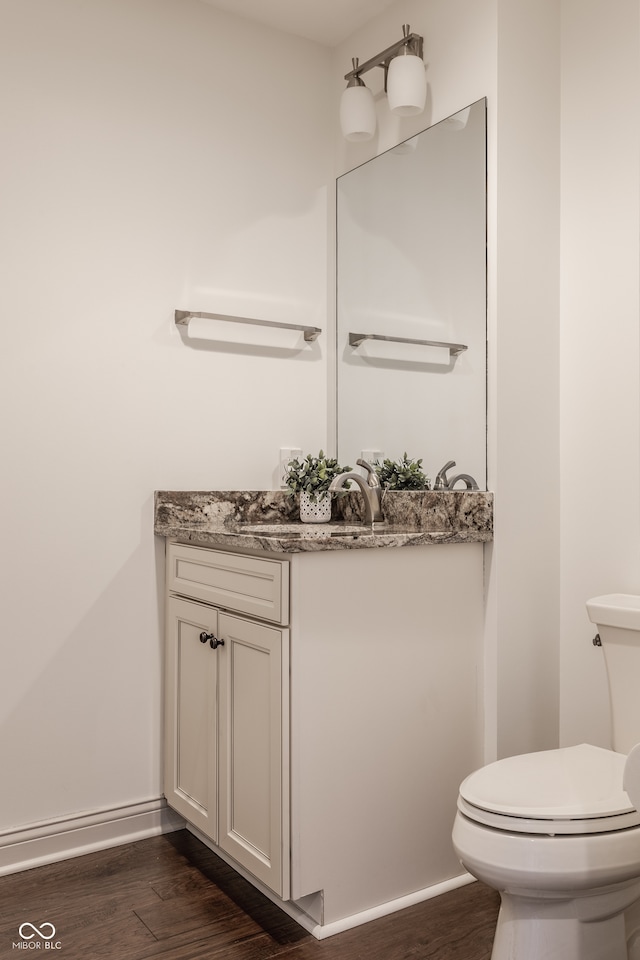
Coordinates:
(405, 83)
(459, 120)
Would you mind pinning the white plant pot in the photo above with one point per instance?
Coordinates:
(316, 511)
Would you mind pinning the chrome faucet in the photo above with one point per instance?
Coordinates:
(371, 491)
(441, 481)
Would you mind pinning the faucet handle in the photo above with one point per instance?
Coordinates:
(372, 476)
(441, 482)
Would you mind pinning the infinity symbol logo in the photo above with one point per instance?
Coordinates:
(36, 930)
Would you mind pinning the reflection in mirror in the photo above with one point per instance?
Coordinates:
(411, 281)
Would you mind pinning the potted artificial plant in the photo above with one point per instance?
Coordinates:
(311, 478)
(402, 474)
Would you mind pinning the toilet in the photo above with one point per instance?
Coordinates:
(557, 833)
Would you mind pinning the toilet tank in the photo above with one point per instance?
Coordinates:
(617, 617)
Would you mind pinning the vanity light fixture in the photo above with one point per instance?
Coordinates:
(357, 109)
(405, 84)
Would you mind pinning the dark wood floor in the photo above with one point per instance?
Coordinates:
(170, 897)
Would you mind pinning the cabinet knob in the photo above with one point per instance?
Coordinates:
(213, 640)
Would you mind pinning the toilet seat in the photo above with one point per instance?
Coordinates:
(572, 790)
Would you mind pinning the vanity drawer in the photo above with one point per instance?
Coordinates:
(249, 585)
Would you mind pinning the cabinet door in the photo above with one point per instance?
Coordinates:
(254, 757)
(190, 773)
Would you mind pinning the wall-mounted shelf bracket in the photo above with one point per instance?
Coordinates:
(310, 333)
(455, 349)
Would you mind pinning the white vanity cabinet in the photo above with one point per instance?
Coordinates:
(227, 706)
(322, 748)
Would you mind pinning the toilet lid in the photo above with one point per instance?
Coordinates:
(569, 790)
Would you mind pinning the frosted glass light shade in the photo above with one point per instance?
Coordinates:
(407, 85)
(357, 113)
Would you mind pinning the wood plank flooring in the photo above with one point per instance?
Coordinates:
(171, 898)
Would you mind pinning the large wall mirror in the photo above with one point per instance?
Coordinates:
(411, 300)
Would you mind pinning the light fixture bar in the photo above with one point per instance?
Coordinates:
(412, 40)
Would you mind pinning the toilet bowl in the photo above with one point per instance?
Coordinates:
(557, 833)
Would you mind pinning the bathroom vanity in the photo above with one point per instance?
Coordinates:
(324, 693)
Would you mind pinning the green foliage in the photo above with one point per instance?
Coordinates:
(313, 475)
(403, 474)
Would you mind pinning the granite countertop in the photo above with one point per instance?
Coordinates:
(267, 520)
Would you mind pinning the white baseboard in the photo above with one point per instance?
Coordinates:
(323, 930)
(67, 837)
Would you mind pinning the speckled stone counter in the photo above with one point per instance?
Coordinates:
(229, 518)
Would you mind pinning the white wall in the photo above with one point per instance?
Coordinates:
(150, 162)
(147, 173)
(524, 448)
(564, 385)
(600, 396)
(494, 49)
